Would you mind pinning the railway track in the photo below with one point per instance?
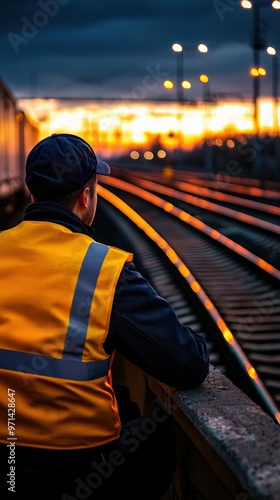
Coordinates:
(232, 298)
(252, 223)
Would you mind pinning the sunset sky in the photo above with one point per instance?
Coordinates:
(122, 50)
(110, 60)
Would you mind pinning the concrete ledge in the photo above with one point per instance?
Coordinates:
(242, 434)
(228, 447)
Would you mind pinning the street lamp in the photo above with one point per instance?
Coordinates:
(257, 44)
(256, 72)
(185, 84)
(202, 48)
(273, 52)
(180, 82)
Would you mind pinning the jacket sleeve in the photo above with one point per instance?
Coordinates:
(145, 329)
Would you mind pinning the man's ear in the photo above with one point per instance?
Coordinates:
(83, 198)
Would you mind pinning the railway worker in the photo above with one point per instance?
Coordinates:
(68, 304)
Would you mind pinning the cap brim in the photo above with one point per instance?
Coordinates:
(102, 168)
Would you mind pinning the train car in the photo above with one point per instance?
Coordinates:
(18, 133)
(28, 136)
(9, 146)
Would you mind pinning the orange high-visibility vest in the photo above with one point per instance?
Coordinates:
(56, 294)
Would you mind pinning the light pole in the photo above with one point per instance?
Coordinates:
(178, 49)
(204, 78)
(207, 121)
(256, 72)
(273, 52)
(181, 85)
(257, 44)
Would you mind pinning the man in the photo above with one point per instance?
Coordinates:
(68, 304)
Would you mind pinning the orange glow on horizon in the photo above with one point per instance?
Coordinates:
(118, 127)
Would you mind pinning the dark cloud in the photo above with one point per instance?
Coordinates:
(112, 49)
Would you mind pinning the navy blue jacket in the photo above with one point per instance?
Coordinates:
(144, 327)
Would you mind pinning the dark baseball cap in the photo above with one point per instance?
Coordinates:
(61, 164)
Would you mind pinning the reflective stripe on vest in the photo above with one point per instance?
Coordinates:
(71, 361)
